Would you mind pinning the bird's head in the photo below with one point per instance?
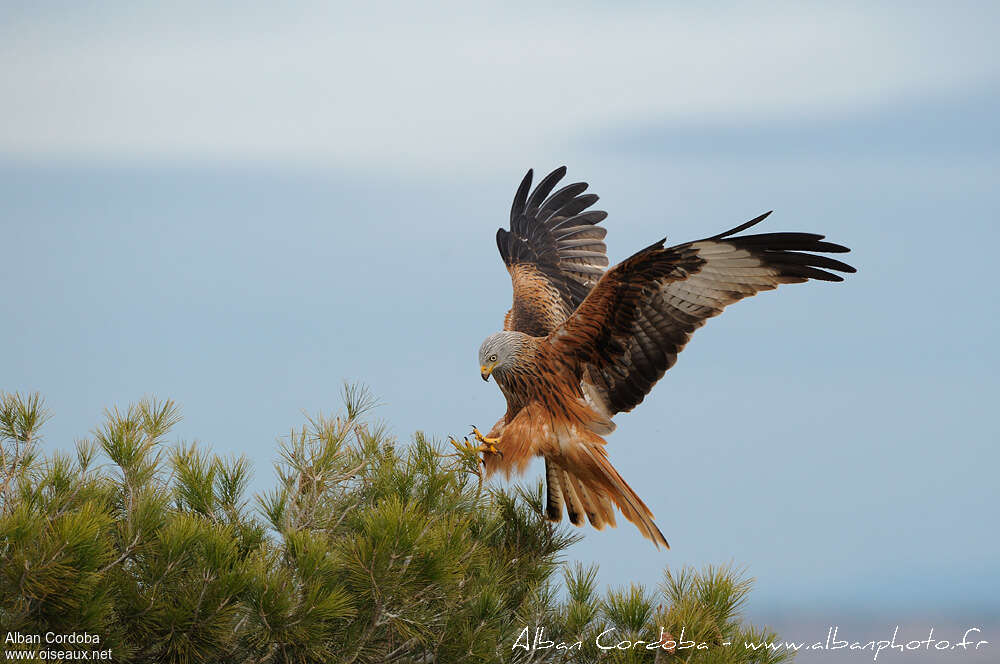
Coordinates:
(497, 352)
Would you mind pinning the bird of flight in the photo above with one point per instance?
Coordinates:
(582, 343)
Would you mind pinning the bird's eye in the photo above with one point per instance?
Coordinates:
(493, 358)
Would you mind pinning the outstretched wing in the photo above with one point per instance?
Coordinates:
(554, 252)
(630, 328)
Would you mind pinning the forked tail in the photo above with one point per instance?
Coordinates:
(586, 483)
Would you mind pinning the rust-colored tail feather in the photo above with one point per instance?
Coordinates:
(594, 484)
(574, 505)
(553, 492)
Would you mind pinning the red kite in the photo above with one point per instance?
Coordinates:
(581, 344)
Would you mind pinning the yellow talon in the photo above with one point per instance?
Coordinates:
(488, 445)
(464, 446)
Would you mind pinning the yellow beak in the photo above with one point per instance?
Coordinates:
(486, 370)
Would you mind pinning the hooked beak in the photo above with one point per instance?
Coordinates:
(486, 370)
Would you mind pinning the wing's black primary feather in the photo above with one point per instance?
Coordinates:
(554, 251)
(630, 328)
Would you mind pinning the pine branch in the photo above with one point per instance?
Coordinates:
(365, 551)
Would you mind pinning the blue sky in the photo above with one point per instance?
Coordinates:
(241, 210)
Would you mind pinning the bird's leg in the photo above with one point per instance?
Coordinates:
(466, 447)
(488, 445)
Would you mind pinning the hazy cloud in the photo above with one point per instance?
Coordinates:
(417, 87)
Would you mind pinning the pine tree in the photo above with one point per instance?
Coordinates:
(365, 551)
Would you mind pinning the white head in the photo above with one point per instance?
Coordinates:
(499, 352)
